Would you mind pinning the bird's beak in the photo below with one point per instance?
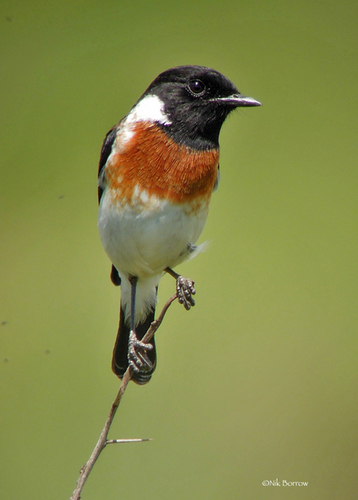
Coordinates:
(239, 100)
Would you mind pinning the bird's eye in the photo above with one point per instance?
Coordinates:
(196, 87)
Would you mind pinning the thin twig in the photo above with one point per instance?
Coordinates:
(134, 440)
(102, 441)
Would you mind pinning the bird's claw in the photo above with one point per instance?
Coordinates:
(185, 291)
(137, 354)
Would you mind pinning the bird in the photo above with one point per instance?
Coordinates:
(157, 171)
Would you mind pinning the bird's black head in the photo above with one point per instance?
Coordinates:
(196, 101)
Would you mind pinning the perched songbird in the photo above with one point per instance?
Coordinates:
(158, 168)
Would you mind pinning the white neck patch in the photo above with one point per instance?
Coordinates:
(149, 109)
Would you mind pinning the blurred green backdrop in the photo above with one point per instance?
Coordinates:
(259, 381)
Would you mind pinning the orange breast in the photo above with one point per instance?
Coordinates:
(152, 161)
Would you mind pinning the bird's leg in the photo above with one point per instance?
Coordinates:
(185, 289)
(137, 350)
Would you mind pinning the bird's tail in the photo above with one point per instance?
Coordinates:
(120, 351)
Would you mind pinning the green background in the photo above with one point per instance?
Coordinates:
(259, 380)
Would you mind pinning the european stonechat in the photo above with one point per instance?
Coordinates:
(158, 168)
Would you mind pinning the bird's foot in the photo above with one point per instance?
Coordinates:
(185, 292)
(137, 354)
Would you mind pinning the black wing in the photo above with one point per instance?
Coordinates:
(105, 152)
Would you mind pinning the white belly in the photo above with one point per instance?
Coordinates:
(144, 238)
